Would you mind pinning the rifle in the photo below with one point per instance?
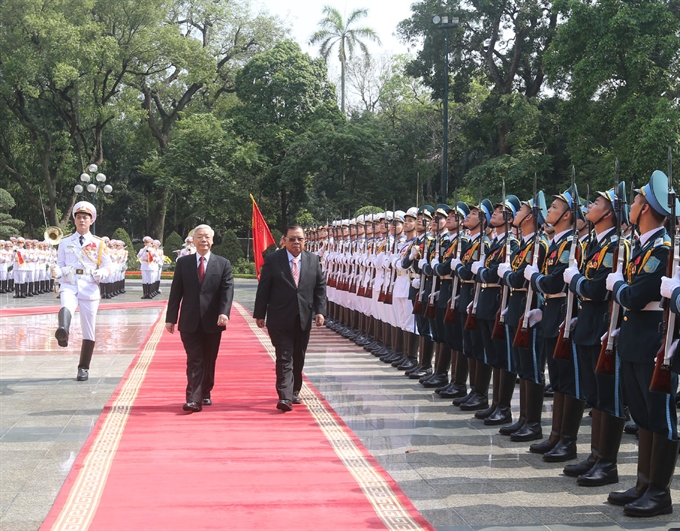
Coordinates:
(450, 315)
(422, 249)
(499, 323)
(431, 309)
(661, 379)
(393, 270)
(471, 321)
(521, 339)
(381, 295)
(563, 346)
(606, 362)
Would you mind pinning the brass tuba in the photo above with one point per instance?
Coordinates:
(53, 235)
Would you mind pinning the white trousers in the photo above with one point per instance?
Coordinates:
(147, 276)
(88, 312)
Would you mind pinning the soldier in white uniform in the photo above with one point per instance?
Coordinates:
(82, 262)
(4, 262)
(145, 256)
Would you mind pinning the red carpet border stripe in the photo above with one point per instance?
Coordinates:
(81, 505)
(39, 310)
(378, 492)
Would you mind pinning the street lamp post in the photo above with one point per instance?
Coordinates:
(446, 24)
(93, 186)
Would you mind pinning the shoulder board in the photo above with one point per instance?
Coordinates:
(97, 238)
(429, 237)
(569, 238)
(665, 241)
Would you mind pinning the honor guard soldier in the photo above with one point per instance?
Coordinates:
(426, 340)
(498, 357)
(602, 391)
(146, 261)
(528, 355)
(397, 241)
(437, 294)
(473, 345)
(568, 404)
(83, 261)
(453, 327)
(637, 290)
(404, 293)
(20, 269)
(4, 261)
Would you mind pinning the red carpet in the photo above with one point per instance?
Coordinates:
(238, 465)
(39, 310)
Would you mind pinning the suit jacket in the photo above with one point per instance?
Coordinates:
(201, 303)
(280, 301)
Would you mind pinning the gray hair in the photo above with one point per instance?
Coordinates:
(207, 228)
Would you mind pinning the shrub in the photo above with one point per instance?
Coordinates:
(171, 244)
(230, 247)
(243, 267)
(121, 234)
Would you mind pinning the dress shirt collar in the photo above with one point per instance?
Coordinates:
(290, 258)
(527, 237)
(601, 236)
(558, 237)
(198, 259)
(644, 238)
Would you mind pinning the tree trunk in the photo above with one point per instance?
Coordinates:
(158, 207)
(284, 211)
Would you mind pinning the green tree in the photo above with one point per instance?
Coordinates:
(619, 65)
(196, 54)
(121, 234)
(282, 92)
(8, 225)
(338, 32)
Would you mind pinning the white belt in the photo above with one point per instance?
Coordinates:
(446, 277)
(555, 295)
(83, 271)
(401, 273)
(518, 289)
(653, 307)
(468, 281)
(485, 285)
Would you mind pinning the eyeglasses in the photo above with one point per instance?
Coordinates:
(295, 239)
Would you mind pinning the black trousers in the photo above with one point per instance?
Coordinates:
(564, 374)
(654, 412)
(529, 363)
(290, 346)
(201, 349)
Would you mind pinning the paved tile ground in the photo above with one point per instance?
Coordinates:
(458, 472)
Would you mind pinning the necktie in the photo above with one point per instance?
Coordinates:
(201, 269)
(81, 239)
(296, 270)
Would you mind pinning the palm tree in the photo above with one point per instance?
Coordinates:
(333, 30)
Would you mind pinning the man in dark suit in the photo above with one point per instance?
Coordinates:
(204, 285)
(292, 287)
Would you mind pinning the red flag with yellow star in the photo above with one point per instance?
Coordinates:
(262, 237)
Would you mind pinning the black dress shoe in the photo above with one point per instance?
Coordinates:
(477, 401)
(192, 407)
(206, 402)
(630, 428)
(462, 399)
(407, 365)
(83, 375)
(454, 391)
(548, 391)
(62, 337)
(420, 373)
(284, 405)
(531, 431)
(296, 398)
(502, 415)
(436, 381)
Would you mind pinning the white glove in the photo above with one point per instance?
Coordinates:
(535, 317)
(529, 271)
(387, 261)
(572, 323)
(503, 269)
(469, 307)
(613, 278)
(416, 283)
(476, 266)
(668, 286)
(414, 252)
(421, 263)
(455, 262)
(505, 312)
(99, 274)
(435, 261)
(67, 275)
(569, 274)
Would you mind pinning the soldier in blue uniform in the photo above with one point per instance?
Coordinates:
(568, 404)
(601, 391)
(498, 354)
(528, 362)
(440, 292)
(637, 290)
(426, 340)
(460, 243)
(473, 345)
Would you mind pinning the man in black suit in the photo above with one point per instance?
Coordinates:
(204, 285)
(292, 287)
